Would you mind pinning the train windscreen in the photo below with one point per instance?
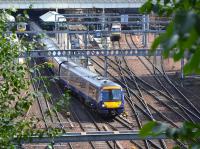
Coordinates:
(115, 94)
(116, 29)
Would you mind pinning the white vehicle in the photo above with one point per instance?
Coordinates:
(115, 31)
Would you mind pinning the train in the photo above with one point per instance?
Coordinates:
(115, 31)
(102, 95)
(98, 93)
(21, 26)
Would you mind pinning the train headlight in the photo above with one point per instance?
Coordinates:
(103, 105)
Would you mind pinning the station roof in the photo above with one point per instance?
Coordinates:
(62, 4)
(52, 16)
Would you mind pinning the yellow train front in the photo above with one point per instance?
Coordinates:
(111, 101)
(21, 26)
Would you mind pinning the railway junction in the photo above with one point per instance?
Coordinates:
(86, 48)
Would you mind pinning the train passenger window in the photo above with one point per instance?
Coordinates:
(92, 92)
(82, 83)
(116, 29)
(111, 95)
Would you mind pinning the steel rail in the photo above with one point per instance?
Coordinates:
(156, 78)
(37, 98)
(179, 105)
(138, 106)
(131, 78)
(181, 144)
(161, 141)
(184, 97)
(132, 107)
(90, 116)
(146, 114)
(140, 97)
(135, 113)
(130, 100)
(94, 122)
(168, 91)
(180, 93)
(81, 126)
(56, 112)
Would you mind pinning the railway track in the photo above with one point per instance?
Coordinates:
(148, 107)
(50, 115)
(149, 110)
(124, 122)
(141, 110)
(85, 120)
(171, 91)
(132, 105)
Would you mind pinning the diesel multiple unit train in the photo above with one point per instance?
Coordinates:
(100, 94)
(115, 31)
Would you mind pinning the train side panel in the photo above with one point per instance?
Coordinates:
(80, 86)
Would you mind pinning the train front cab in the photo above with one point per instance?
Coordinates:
(115, 32)
(111, 101)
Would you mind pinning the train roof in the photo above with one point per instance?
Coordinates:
(86, 74)
(82, 72)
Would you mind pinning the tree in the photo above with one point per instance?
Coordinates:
(182, 38)
(15, 99)
(15, 95)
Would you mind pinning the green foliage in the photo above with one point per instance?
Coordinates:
(15, 97)
(189, 133)
(153, 129)
(182, 36)
(63, 102)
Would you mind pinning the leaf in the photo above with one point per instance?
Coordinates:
(147, 7)
(31, 70)
(166, 2)
(194, 64)
(147, 129)
(155, 43)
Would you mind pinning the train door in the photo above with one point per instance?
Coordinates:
(63, 73)
(92, 94)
